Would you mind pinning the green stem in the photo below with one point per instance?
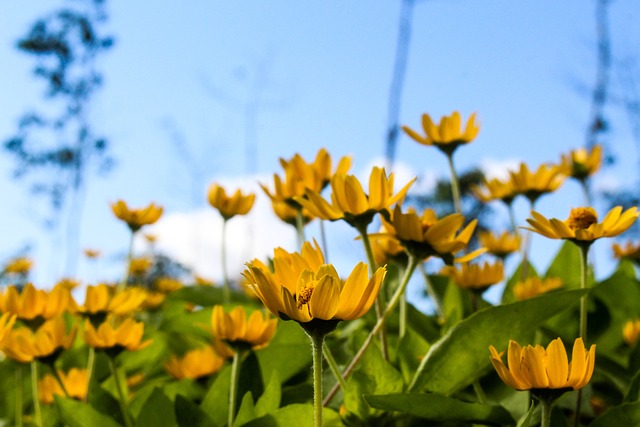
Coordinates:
(122, 399)
(545, 414)
(125, 277)
(58, 378)
(585, 191)
(300, 226)
(19, 395)
(393, 302)
(233, 386)
(34, 392)
(512, 218)
(402, 326)
(431, 291)
(331, 361)
(226, 290)
(455, 186)
(317, 341)
(91, 361)
(378, 302)
(482, 397)
(584, 253)
(323, 239)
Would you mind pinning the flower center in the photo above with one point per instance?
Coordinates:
(582, 218)
(304, 296)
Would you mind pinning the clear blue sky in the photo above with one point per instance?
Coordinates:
(327, 67)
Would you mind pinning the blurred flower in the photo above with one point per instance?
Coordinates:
(102, 300)
(32, 305)
(166, 285)
(499, 245)
(194, 364)
(45, 344)
(534, 286)
(426, 235)
(92, 253)
(7, 320)
(631, 331)
(629, 251)
(136, 218)
(387, 249)
(68, 283)
(448, 135)
(113, 339)
(153, 300)
(546, 179)
(582, 226)
(289, 215)
(20, 265)
(580, 164)
(534, 368)
(230, 206)
(303, 288)
(239, 332)
(140, 266)
(150, 238)
(349, 201)
(475, 276)
(75, 382)
(495, 189)
(202, 281)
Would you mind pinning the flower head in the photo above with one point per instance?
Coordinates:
(534, 368)
(448, 135)
(476, 276)
(289, 215)
(136, 218)
(582, 226)
(495, 189)
(166, 285)
(230, 205)
(534, 286)
(238, 331)
(127, 335)
(7, 320)
(629, 251)
(92, 253)
(580, 164)
(546, 179)
(303, 288)
(75, 382)
(500, 245)
(140, 266)
(350, 203)
(45, 344)
(20, 265)
(35, 305)
(102, 300)
(194, 364)
(631, 332)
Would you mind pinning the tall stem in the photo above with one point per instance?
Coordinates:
(226, 290)
(323, 239)
(455, 185)
(378, 303)
(300, 226)
(335, 370)
(91, 361)
(34, 392)
(122, 396)
(431, 291)
(19, 395)
(545, 416)
(317, 341)
(393, 302)
(585, 191)
(584, 253)
(512, 218)
(526, 243)
(125, 276)
(233, 386)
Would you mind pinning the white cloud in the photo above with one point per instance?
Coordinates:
(498, 169)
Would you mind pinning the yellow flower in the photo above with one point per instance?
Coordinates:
(230, 206)
(495, 189)
(194, 364)
(289, 215)
(580, 164)
(202, 281)
(140, 266)
(476, 276)
(166, 285)
(351, 203)
(499, 245)
(534, 286)
(136, 218)
(68, 283)
(153, 300)
(582, 226)
(35, 305)
(102, 299)
(629, 250)
(426, 235)
(303, 288)
(631, 331)
(546, 179)
(239, 332)
(92, 253)
(448, 135)
(534, 368)
(115, 339)
(7, 320)
(386, 249)
(20, 265)
(45, 344)
(75, 382)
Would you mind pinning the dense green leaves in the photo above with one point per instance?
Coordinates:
(77, 414)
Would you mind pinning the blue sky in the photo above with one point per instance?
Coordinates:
(189, 69)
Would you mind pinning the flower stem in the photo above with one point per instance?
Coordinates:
(402, 326)
(19, 395)
(585, 190)
(125, 277)
(317, 341)
(393, 302)
(58, 378)
(323, 239)
(584, 253)
(122, 399)
(546, 413)
(432, 293)
(512, 218)
(233, 386)
(455, 186)
(300, 227)
(226, 290)
(331, 361)
(34, 392)
(91, 361)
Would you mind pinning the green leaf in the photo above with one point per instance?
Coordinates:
(627, 414)
(289, 340)
(216, 402)
(188, 414)
(247, 410)
(157, 411)
(526, 419)
(462, 355)
(78, 414)
(633, 395)
(435, 407)
(566, 266)
(270, 399)
(411, 349)
(206, 296)
(298, 415)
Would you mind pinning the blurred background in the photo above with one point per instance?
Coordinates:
(103, 100)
